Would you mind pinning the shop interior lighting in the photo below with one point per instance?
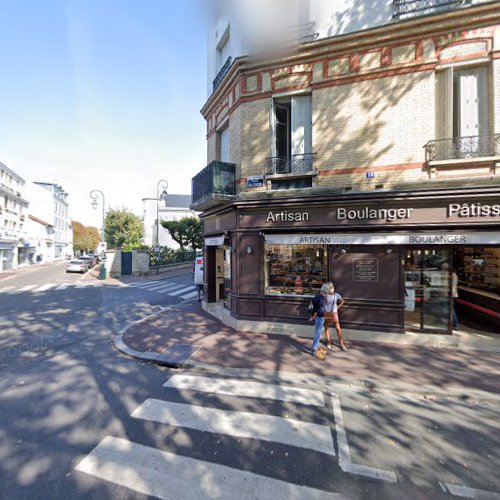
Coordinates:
(249, 250)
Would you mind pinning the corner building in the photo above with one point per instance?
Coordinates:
(365, 151)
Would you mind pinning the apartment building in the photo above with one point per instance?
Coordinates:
(54, 210)
(170, 207)
(13, 207)
(357, 143)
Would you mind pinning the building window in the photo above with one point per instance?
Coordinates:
(223, 49)
(223, 145)
(462, 103)
(295, 269)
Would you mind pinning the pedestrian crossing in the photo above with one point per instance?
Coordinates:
(181, 291)
(166, 471)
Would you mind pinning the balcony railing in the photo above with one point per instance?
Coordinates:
(404, 9)
(293, 164)
(461, 148)
(213, 184)
(222, 73)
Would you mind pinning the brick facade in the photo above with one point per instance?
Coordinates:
(373, 101)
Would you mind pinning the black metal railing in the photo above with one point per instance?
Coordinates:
(404, 9)
(293, 164)
(222, 73)
(460, 148)
(217, 178)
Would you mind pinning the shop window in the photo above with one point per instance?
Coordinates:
(295, 269)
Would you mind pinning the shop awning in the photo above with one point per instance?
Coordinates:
(214, 241)
(413, 238)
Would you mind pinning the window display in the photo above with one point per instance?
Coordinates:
(295, 269)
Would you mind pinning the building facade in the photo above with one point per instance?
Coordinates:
(53, 209)
(172, 207)
(13, 212)
(367, 153)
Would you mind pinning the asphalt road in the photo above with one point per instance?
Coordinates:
(80, 420)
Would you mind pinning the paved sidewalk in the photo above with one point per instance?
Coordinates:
(160, 337)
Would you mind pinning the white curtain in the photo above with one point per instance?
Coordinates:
(224, 145)
(469, 110)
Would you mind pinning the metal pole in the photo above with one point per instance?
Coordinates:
(158, 221)
(94, 194)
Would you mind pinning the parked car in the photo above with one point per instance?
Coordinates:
(76, 266)
(88, 259)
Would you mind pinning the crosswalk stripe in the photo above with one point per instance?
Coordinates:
(190, 295)
(183, 290)
(7, 288)
(240, 424)
(141, 284)
(246, 388)
(25, 288)
(161, 285)
(168, 288)
(168, 476)
(63, 286)
(81, 285)
(45, 287)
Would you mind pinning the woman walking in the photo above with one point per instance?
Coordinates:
(333, 302)
(318, 315)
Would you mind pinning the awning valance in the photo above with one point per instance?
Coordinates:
(413, 238)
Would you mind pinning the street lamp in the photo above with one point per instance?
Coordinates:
(164, 184)
(94, 194)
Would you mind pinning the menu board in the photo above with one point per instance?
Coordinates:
(365, 269)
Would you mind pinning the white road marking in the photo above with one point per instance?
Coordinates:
(183, 290)
(168, 288)
(80, 285)
(345, 455)
(63, 286)
(165, 475)
(466, 492)
(7, 288)
(45, 287)
(141, 284)
(191, 295)
(240, 424)
(25, 288)
(245, 388)
(163, 285)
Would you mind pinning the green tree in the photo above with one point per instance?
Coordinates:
(93, 237)
(123, 229)
(187, 232)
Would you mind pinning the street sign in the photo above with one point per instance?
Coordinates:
(101, 247)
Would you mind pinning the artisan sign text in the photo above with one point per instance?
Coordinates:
(285, 216)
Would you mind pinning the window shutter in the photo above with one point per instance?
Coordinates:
(301, 125)
(272, 128)
(469, 111)
(483, 101)
(444, 104)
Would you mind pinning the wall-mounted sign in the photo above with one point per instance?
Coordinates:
(214, 241)
(365, 270)
(254, 181)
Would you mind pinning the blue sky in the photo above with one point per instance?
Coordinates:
(103, 94)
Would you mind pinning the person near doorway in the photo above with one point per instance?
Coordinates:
(318, 316)
(333, 302)
(454, 295)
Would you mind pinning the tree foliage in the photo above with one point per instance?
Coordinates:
(187, 232)
(123, 229)
(85, 238)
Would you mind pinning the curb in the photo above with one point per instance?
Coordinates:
(164, 358)
(340, 384)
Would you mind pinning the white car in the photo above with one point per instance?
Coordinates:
(76, 266)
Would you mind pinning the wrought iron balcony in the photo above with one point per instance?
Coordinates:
(222, 73)
(461, 148)
(405, 9)
(214, 185)
(293, 164)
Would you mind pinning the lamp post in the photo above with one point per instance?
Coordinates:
(94, 194)
(161, 183)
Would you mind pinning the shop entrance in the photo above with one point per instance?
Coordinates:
(218, 274)
(427, 276)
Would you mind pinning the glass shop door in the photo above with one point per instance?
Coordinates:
(427, 276)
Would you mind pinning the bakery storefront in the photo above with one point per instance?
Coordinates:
(398, 263)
